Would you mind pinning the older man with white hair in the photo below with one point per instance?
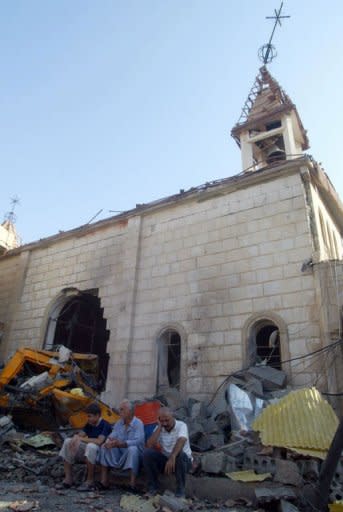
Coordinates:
(123, 447)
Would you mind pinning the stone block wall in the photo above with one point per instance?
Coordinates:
(202, 266)
(209, 265)
(92, 261)
(10, 270)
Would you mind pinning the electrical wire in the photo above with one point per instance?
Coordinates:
(310, 354)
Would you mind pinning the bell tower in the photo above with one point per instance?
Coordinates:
(269, 129)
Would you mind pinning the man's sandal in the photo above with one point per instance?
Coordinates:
(86, 487)
(101, 487)
(63, 485)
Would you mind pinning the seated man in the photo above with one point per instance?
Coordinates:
(123, 447)
(85, 446)
(175, 455)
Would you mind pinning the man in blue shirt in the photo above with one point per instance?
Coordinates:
(123, 447)
(85, 446)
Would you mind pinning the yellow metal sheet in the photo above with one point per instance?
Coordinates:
(248, 476)
(337, 506)
(320, 454)
(300, 420)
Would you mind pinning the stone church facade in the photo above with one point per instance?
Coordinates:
(186, 290)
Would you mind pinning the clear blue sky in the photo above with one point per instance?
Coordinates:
(109, 103)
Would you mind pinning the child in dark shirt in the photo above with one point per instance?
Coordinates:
(85, 446)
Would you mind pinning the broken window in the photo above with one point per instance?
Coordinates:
(79, 325)
(169, 360)
(264, 344)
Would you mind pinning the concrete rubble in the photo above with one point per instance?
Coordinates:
(219, 449)
(223, 441)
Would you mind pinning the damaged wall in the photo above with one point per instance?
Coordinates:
(201, 266)
(329, 286)
(12, 276)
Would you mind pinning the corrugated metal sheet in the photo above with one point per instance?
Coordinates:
(336, 507)
(320, 454)
(302, 419)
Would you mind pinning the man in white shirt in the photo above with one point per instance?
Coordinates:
(174, 455)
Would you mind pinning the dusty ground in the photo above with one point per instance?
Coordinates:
(35, 496)
(28, 479)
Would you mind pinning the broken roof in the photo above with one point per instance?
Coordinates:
(266, 100)
(202, 193)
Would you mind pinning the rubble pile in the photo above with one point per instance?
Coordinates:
(255, 429)
(230, 437)
(18, 464)
(27, 457)
(236, 404)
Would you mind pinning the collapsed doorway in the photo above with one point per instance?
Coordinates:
(79, 325)
(169, 360)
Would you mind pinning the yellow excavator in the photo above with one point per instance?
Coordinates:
(43, 389)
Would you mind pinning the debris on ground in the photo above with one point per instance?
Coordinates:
(248, 475)
(23, 506)
(254, 429)
(256, 425)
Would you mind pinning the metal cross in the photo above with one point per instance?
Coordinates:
(267, 50)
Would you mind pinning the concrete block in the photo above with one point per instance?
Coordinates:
(270, 377)
(308, 468)
(336, 491)
(265, 495)
(213, 462)
(259, 463)
(236, 449)
(287, 472)
(286, 506)
(202, 443)
(172, 503)
(254, 386)
(132, 503)
(196, 408)
(195, 429)
(216, 440)
(209, 425)
(339, 470)
(223, 421)
(231, 464)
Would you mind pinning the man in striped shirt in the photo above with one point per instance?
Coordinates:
(174, 454)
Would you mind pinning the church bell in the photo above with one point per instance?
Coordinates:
(274, 154)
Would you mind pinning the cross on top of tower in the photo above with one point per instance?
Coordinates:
(267, 52)
(11, 216)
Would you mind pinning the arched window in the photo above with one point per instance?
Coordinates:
(267, 339)
(76, 321)
(169, 360)
(264, 344)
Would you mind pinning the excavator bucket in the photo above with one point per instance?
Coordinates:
(44, 389)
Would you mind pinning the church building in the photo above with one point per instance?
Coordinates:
(183, 291)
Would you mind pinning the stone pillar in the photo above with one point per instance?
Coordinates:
(122, 345)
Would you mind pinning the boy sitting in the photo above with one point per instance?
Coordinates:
(85, 446)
